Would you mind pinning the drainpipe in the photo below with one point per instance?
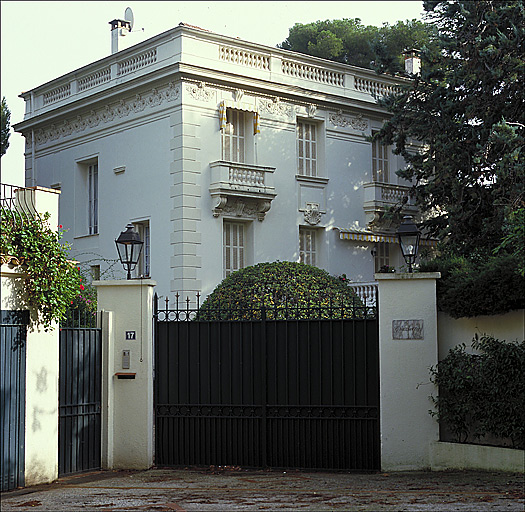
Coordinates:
(33, 170)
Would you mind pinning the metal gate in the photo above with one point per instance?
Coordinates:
(13, 330)
(267, 392)
(79, 431)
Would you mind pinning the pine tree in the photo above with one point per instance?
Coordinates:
(466, 109)
(6, 116)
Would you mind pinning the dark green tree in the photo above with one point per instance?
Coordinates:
(6, 117)
(466, 109)
(350, 42)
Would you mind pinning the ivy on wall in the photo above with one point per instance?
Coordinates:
(53, 282)
(482, 394)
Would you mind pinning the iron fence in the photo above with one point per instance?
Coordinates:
(331, 308)
(17, 203)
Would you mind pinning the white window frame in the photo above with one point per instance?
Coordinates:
(308, 246)
(234, 136)
(92, 179)
(143, 268)
(307, 148)
(382, 255)
(234, 246)
(380, 161)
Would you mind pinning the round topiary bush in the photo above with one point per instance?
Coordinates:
(283, 289)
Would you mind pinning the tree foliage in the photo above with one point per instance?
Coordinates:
(350, 42)
(5, 127)
(466, 110)
(281, 287)
(482, 394)
(53, 282)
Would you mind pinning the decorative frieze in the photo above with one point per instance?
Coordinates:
(246, 208)
(106, 114)
(355, 122)
(200, 91)
(276, 107)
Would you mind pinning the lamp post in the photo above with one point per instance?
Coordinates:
(409, 236)
(129, 245)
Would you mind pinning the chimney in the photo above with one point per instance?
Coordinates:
(119, 28)
(412, 61)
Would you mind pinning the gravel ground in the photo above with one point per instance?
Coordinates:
(231, 488)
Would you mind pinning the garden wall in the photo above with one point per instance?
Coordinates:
(454, 331)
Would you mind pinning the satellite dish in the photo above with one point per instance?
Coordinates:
(128, 16)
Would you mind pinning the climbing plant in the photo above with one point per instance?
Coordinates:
(53, 282)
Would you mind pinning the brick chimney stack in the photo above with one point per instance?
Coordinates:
(412, 61)
(119, 28)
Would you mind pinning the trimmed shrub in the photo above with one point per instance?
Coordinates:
(284, 289)
(469, 288)
(482, 394)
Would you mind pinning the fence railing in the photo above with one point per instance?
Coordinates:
(18, 203)
(80, 319)
(332, 307)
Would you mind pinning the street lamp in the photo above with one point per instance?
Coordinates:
(409, 236)
(129, 246)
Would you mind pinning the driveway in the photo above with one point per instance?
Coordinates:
(232, 488)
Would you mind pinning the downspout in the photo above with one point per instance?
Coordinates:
(33, 170)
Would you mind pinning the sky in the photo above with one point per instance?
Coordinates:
(43, 40)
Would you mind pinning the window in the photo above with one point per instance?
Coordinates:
(92, 174)
(379, 161)
(382, 257)
(307, 246)
(233, 136)
(234, 247)
(306, 149)
(143, 266)
(95, 272)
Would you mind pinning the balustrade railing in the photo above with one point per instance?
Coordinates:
(367, 292)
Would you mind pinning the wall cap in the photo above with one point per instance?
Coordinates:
(397, 276)
(125, 282)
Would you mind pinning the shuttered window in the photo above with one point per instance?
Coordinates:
(234, 247)
(93, 199)
(306, 149)
(379, 161)
(233, 136)
(307, 246)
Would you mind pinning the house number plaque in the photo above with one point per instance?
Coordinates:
(130, 335)
(407, 330)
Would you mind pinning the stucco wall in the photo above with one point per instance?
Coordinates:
(454, 331)
(41, 417)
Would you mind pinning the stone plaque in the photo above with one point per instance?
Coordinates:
(407, 330)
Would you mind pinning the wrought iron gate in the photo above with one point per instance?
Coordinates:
(267, 392)
(80, 382)
(13, 330)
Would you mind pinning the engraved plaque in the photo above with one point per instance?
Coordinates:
(407, 330)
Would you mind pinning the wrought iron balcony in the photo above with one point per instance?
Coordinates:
(241, 190)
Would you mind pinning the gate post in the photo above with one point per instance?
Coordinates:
(407, 348)
(127, 399)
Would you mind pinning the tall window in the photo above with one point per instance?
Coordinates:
(233, 137)
(307, 246)
(382, 257)
(92, 199)
(306, 149)
(234, 247)
(143, 266)
(379, 161)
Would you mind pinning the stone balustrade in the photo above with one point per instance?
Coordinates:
(367, 292)
(217, 53)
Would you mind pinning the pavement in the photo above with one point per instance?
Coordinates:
(228, 488)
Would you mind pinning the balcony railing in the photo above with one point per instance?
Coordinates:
(213, 51)
(18, 203)
(241, 187)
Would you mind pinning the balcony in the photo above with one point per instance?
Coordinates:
(241, 190)
(379, 197)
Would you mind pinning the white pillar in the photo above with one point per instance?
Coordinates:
(128, 395)
(407, 348)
